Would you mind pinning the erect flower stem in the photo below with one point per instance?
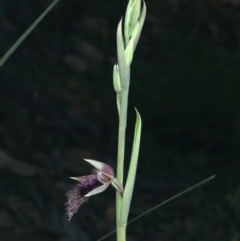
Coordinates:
(121, 78)
(122, 132)
(121, 227)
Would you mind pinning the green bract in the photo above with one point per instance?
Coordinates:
(116, 79)
(131, 17)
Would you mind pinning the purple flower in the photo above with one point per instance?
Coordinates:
(90, 185)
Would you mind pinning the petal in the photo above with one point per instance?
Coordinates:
(104, 168)
(98, 190)
(117, 185)
(83, 179)
(75, 178)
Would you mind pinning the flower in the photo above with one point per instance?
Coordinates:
(102, 177)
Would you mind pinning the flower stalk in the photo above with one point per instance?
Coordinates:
(126, 46)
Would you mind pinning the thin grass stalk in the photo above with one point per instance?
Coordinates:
(26, 33)
(162, 203)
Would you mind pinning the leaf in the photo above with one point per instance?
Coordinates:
(127, 195)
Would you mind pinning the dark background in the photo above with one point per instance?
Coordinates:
(57, 106)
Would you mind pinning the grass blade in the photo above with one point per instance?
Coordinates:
(26, 33)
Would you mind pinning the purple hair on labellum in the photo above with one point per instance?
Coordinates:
(76, 196)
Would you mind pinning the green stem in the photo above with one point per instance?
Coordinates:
(121, 228)
(121, 232)
(121, 133)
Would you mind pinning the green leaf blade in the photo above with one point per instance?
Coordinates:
(128, 192)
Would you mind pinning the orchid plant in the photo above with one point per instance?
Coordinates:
(103, 175)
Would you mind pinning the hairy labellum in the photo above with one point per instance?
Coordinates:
(76, 196)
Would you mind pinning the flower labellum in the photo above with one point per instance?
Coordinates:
(102, 177)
